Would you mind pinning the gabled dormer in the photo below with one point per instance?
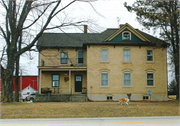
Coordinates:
(126, 33)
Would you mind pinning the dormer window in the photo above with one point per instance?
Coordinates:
(126, 35)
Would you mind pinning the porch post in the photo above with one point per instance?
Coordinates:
(40, 82)
(70, 81)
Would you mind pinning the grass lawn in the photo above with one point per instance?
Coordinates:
(88, 109)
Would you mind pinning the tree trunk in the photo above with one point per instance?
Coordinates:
(8, 92)
(2, 82)
(177, 79)
(17, 81)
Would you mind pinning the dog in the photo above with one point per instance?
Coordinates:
(126, 100)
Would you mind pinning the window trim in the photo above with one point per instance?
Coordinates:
(105, 79)
(106, 55)
(129, 79)
(55, 80)
(80, 64)
(129, 55)
(64, 58)
(150, 55)
(148, 79)
(126, 32)
(104, 71)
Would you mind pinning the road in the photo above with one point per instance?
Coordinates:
(114, 121)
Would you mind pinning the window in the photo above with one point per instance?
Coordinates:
(127, 79)
(149, 79)
(109, 97)
(104, 79)
(126, 36)
(126, 55)
(55, 80)
(80, 57)
(103, 55)
(149, 55)
(64, 58)
(145, 97)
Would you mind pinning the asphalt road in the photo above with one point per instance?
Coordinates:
(114, 121)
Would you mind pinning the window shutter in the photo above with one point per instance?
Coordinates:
(42, 62)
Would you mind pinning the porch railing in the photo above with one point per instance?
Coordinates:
(69, 62)
(59, 90)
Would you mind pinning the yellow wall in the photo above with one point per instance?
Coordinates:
(115, 67)
(51, 57)
(46, 81)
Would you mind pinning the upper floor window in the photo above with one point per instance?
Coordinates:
(149, 55)
(126, 55)
(126, 36)
(104, 55)
(104, 79)
(55, 80)
(64, 58)
(150, 79)
(80, 57)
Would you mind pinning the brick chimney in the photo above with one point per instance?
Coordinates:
(121, 25)
(85, 28)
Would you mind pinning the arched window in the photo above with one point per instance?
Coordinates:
(126, 36)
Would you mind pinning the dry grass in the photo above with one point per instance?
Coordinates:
(88, 109)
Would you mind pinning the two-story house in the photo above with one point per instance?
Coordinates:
(112, 64)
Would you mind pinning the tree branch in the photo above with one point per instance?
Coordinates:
(63, 8)
(4, 5)
(38, 17)
(2, 53)
(24, 13)
(40, 33)
(67, 24)
(4, 35)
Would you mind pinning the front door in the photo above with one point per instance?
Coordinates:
(78, 83)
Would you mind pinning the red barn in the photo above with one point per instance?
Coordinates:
(26, 81)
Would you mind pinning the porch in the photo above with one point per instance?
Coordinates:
(62, 80)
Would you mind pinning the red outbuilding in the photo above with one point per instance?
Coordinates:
(25, 81)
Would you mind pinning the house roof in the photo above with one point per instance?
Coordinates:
(79, 40)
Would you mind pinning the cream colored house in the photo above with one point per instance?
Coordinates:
(110, 65)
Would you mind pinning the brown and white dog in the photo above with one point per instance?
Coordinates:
(121, 100)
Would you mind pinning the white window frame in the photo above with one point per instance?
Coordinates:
(149, 79)
(131, 79)
(80, 64)
(149, 55)
(104, 55)
(126, 55)
(64, 57)
(105, 79)
(123, 35)
(127, 79)
(55, 80)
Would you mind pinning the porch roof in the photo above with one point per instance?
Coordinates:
(61, 69)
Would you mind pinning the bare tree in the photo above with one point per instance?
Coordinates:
(24, 23)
